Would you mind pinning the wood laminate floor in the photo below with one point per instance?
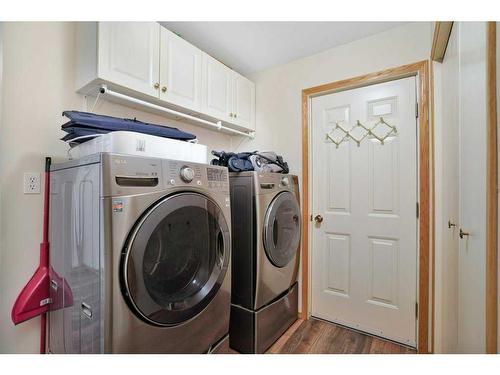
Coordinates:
(319, 337)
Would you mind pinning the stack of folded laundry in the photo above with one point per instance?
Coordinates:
(266, 162)
(83, 126)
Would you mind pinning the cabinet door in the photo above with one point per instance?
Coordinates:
(216, 95)
(180, 71)
(244, 102)
(129, 55)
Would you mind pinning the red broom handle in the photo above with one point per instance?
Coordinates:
(44, 248)
(46, 202)
(43, 332)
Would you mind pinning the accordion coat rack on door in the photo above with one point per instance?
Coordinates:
(346, 135)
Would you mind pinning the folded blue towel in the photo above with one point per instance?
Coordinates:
(84, 123)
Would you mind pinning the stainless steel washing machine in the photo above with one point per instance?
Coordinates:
(265, 258)
(143, 244)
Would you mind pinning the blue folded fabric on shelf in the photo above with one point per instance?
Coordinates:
(85, 124)
(74, 133)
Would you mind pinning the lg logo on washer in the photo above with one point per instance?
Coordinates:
(117, 205)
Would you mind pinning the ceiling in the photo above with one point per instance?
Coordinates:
(249, 47)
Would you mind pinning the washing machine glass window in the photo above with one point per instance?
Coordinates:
(176, 258)
(282, 229)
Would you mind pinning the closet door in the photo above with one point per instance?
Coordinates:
(129, 55)
(217, 89)
(461, 193)
(447, 198)
(180, 71)
(472, 189)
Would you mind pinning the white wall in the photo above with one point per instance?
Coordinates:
(38, 85)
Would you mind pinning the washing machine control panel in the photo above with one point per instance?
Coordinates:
(218, 178)
(179, 173)
(182, 173)
(125, 174)
(187, 174)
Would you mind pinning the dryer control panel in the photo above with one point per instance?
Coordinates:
(273, 182)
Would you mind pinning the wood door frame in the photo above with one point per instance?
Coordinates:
(491, 191)
(440, 38)
(421, 71)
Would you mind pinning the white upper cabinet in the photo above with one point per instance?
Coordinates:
(129, 55)
(180, 71)
(227, 95)
(217, 89)
(244, 102)
(147, 61)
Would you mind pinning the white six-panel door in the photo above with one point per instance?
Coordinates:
(364, 252)
(129, 54)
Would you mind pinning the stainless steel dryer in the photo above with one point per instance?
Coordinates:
(265, 258)
(143, 244)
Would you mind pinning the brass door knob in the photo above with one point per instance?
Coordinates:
(462, 233)
(318, 218)
(164, 89)
(156, 85)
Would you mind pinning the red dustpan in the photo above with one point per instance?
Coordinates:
(35, 299)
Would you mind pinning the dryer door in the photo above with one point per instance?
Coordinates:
(176, 259)
(282, 229)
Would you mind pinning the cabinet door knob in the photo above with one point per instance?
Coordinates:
(231, 114)
(156, 85)
(450, 224)
(235, 115)
(318, 218)
(164, 89)
(462, 233)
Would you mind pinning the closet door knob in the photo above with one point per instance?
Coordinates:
(462, 233)
(164, 89)
(450, 224)
(156, 85)
(318, 218)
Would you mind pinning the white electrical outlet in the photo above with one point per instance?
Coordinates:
(32, 183)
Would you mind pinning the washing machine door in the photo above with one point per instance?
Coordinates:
(282, 229)
(176, 259)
